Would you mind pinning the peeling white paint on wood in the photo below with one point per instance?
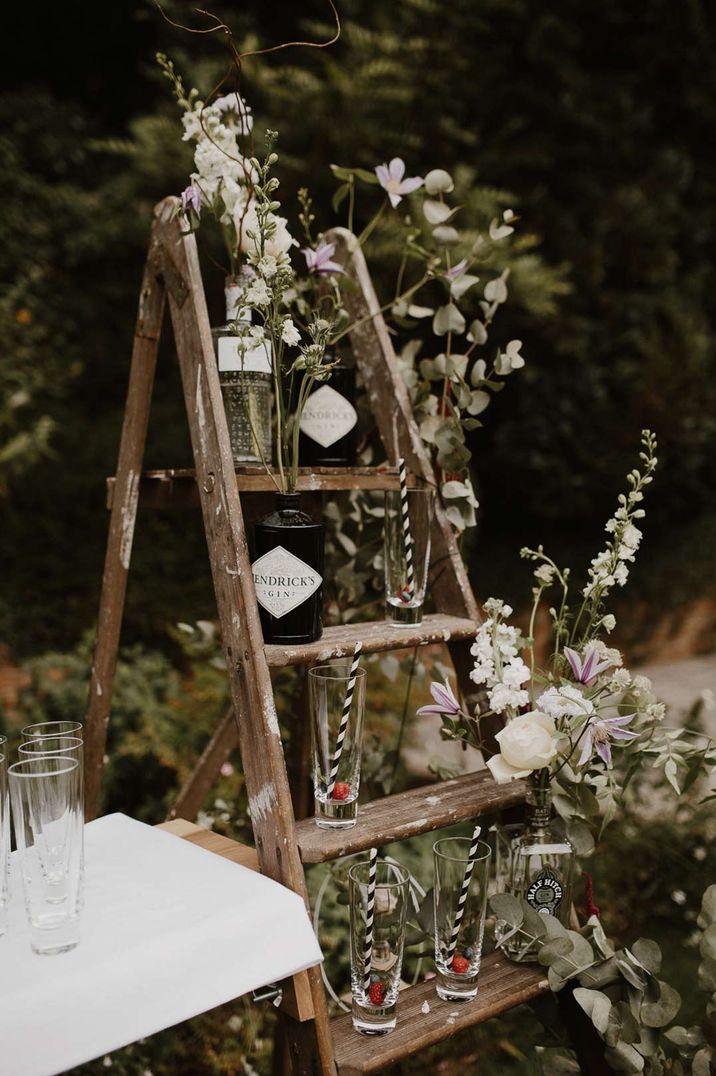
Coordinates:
(432, 800)
(129, 516)
(425, 1008)
(262, 804)
(270, 713)
(98, 688)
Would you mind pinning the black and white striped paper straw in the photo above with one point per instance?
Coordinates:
(370, 904)
(408, 592)
(347, 703)
(467, 878)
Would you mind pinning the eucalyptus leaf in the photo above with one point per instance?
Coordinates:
(477, 333)
(624, 1058)
(436, 212)
(601, 975)
(448, 319)
(552, 949)
(661, 1012)
(580, 837)
(707, 946)
(445, 235)
(463, 284)
(708, 908)
(596, 1005)
(648, 954)
(438, 181)
(701, 1064)
(507, 908)
(479, 401)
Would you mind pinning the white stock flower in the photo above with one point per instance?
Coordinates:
(248, 233)
(608, 653)
(527, 743)
(290, 334)
(566, 701)
(641, 685)
(609, 622)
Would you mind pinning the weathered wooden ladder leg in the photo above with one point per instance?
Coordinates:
(390, 403)
(250, 682)
(121, 527)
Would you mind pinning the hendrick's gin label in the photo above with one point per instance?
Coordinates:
(328, 423)
(287, 569)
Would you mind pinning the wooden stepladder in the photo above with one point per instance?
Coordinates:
(284, 844)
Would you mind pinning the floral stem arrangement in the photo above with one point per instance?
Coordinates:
(562, 723)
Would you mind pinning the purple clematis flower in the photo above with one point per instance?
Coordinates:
(588, 670)
(390, 177)
(445, 701)
(600, 732)
(456, 271)
(191, 199)
(320, 259)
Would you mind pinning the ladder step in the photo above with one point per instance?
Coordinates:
(502, 985)
(420, 810)
(377, 635)
(176, 487)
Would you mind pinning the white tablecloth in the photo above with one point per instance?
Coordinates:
(169, 930)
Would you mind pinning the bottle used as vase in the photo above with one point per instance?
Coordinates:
(246, 379)
(287, 567)
(329, 420)
(542, 866)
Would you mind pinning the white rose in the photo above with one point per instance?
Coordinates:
(527, 743)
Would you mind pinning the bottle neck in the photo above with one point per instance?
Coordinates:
(539, 804)
(234, 291)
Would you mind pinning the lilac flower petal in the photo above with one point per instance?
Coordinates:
(587, 747)
(395, 199)
(575, 662)
(431, 710)
(383, 174)
(445, 697)
(407, 186)
(396, 168)
(604, 751)
(615, 722)
(330, 267)
(623, 734)
(588, 665)
(456, 270)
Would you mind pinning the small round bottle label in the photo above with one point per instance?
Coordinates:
(545, 893)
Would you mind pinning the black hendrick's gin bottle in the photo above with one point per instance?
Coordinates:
(287, 566)
(328, 423)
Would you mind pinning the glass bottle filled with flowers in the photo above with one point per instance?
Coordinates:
(563, 723)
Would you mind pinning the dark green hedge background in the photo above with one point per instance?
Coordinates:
(597, 117)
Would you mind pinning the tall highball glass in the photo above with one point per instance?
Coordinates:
(336, 743)
(407, 554)
(46, 807)
(458, 952)
(377, 952)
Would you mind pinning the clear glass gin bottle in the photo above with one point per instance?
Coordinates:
(542, 864)
(246, 380)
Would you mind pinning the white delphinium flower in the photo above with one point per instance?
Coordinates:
(290, 334)
(565, 701)
(498, 665)
(502, 697)
(267, 266)
(235, 113)
(609, 623)
(257, 294)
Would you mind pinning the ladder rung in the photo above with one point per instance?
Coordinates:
(377, 635)
(176, 487)
(420, 810)
(502, 985)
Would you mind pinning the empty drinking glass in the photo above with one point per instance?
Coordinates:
(4, 837)
(52, 728)
(48, 824)
(407, 553)
(377, 942)
(336, 737)
(460, 897)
